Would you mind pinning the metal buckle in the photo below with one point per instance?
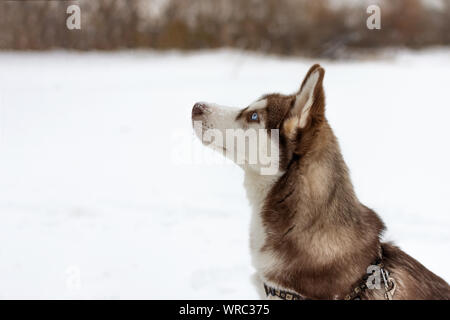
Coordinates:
(389, 285)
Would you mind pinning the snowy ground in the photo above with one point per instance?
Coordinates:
(102, 193)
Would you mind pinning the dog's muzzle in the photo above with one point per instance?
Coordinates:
(199, 110)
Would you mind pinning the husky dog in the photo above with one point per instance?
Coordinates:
(310, 237)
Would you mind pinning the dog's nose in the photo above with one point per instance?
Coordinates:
(198, 109)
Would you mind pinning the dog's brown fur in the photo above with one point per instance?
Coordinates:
(323, 237)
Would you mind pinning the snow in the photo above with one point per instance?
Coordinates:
(105, 192)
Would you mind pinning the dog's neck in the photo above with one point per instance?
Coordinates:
(257, 187)
(309, 233)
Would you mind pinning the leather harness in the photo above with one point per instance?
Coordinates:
(366, 283)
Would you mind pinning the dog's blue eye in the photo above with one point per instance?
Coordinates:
(254, 116)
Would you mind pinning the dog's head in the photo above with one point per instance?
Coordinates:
(269, 133)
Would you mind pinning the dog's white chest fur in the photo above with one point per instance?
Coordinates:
(257, 187)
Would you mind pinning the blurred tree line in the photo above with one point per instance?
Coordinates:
(290, 27)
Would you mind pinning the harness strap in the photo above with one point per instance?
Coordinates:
(389, 285)
(282, 294)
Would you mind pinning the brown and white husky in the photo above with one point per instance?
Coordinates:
(310, 236)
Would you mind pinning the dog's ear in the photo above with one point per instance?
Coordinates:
(309, 101)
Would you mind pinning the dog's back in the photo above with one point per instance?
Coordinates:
(413, 280)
